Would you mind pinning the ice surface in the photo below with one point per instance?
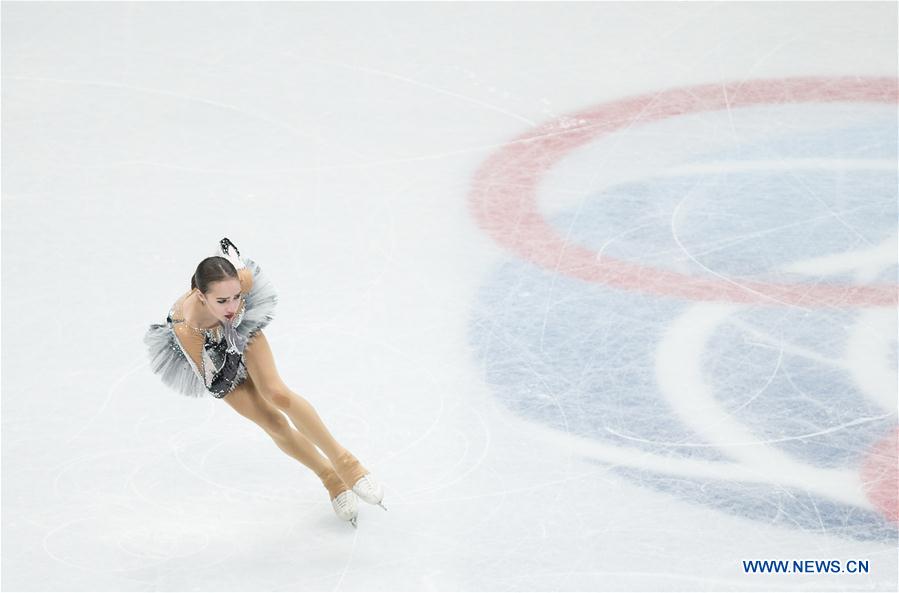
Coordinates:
(604, 294)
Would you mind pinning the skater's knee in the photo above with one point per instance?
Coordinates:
(246, 401)
(275, 423)
(279, 395)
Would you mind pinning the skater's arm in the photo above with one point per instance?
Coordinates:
(246, 279)
(243, 272)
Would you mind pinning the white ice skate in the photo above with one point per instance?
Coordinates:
(346, 507)
(343, 500)
(364, 485)
(370, 491)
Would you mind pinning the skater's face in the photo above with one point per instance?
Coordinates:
(223, 298)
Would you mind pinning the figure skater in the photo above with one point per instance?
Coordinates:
(212, 343)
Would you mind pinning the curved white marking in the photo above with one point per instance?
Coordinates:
(631, 457)
(680, 379)
(868, 356)
(867, 263)
(777, 165)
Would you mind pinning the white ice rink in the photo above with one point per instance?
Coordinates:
(603, 293)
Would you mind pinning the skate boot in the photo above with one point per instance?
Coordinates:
(343, 500)
(364, 485)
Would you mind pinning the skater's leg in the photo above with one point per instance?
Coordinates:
(261, 366)
(247, 401)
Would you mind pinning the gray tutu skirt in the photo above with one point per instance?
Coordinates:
(169, 361)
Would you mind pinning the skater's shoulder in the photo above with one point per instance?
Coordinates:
(176, 312)
(245, 275)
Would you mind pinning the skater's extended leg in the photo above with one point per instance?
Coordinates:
(247, 401)
(261, 366)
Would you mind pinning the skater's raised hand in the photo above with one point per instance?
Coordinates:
(228, 250)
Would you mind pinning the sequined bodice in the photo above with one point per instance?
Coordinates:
(215, 354)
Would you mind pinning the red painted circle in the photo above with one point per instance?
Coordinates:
(504, 192)
(880, 476)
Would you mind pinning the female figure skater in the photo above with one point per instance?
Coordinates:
(212, 343)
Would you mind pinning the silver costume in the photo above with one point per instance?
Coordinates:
(223, 366)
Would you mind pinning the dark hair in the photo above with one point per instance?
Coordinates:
(212, 269)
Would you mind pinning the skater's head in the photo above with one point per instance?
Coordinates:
(217, 280)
